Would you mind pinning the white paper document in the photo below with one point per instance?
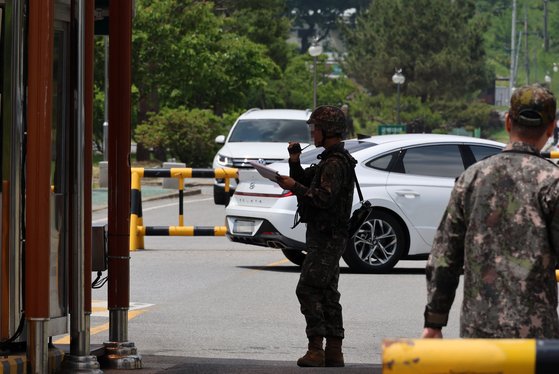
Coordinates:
(265, 171)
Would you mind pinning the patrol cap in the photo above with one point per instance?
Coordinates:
(532, 105)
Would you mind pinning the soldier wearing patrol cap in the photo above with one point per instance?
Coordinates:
(501, 229)
(325, 194)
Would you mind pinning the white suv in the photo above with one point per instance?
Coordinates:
(259, 135)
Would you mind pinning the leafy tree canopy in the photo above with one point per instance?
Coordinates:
(263, 22)
(181, 56)
(438, 44)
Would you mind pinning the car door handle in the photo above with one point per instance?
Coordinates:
(408, 194)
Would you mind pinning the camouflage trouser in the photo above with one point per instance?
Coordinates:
(317, 289)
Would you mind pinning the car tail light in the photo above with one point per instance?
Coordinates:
(285, 193)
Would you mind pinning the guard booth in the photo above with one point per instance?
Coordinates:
(43, 272)
(14, 183)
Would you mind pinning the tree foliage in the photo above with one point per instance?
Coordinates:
(181, 56)
(264, 23)
(437, 43)
(187, 135)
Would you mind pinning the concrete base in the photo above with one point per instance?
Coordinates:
(120, 355)
(80, 364)
(17, 362)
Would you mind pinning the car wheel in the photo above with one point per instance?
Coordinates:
(378, 245)
(220, 196)
(294, 255)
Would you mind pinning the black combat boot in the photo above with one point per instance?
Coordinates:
(333, 352)
(315, 355)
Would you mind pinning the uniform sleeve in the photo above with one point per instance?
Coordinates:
(550, 198)
(446, 260)
(331, 182)
(300, 175)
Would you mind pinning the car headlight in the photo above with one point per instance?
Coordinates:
(224, 160)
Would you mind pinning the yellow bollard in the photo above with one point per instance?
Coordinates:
(435, 356)
(135, 207)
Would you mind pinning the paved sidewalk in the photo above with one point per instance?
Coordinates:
(170, 364)
(99, 197)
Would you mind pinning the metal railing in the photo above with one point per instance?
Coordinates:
(138, 230)
(506, 356)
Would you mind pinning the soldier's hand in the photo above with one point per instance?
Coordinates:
(431, 333)
(294, 149)
(285, 182)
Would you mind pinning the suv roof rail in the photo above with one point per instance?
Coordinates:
(252, 110)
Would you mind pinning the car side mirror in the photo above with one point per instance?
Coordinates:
(220, 139)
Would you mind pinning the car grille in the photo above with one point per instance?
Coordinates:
(242, 163)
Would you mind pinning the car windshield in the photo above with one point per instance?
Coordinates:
(271, 130)
(351, 145)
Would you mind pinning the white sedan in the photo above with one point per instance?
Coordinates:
(407, 178)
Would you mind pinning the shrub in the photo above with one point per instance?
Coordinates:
(187, 135)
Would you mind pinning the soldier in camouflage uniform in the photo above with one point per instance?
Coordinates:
(325, 195)
(501, 229)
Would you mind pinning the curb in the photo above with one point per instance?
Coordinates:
(189, 192)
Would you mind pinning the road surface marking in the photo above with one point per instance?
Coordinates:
(280, 262)
(99, 309)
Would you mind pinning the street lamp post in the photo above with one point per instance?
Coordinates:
(315, 50)
(555, 70)
(398, 79)
(547, 80)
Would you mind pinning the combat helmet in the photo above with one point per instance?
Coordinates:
(328, 118)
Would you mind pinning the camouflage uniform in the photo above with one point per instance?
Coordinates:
(326, 190)
(501, 229)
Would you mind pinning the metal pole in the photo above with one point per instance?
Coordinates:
(77, 321)
(79, 360)
(398, 105)
(314, 82)
(545, 33)
(38, 186)
(512, 51)
(106, 103)
(119, 352)
(526, 46)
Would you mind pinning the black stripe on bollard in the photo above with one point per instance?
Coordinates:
(157, 230)
(546, 154)
(203, 173)
(204, 231)
(135, 202)
(181, 202)
(157, 173)
(547, 357)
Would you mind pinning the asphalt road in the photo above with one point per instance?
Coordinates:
(209, 298)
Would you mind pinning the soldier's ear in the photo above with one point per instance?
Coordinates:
(507, 122)
(550, 128)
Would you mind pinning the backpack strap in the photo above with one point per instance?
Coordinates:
(357, 186)
(352, 166)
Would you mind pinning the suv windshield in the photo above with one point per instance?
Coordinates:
(271, 130)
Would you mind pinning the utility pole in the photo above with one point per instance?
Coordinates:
(526, 51)
(545, 34)
(512, 46)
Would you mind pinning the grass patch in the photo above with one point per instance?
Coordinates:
(500, 136)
